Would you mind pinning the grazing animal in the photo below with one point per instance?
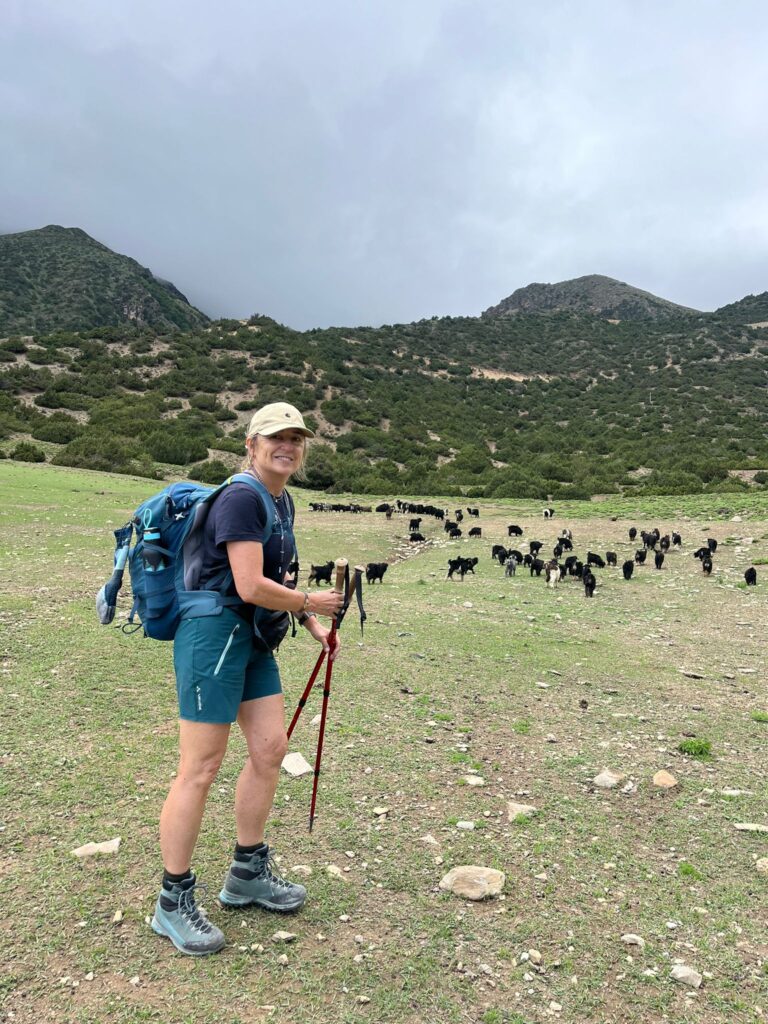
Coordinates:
(474, 512)
(448, 526)
(632, 532)
(640, 556)
(476, 531)
(535, 546)
(664, 543)
(649, 539)
(548, 513)
(702, 553)
(510, 567)
(628, 568)
(576, 569)
(590, 583)
(557, 551)
(415, 538)
(513, 553)
(462, 566)
(611, 558)
(537, 564)
(658, 559)
(320, 574)
(706, 565)
(500, 552)
(455, 533)
(712, 544)
(677, 540)
(751, 576)
(375, 571)
(552, 570)
(593, 559)
(527, 559)
(414, 525)
(514, 531)
(566, 543)
(459, 515)
(565, 534)
(570, 561)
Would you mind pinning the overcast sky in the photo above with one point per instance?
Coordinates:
(351, 162)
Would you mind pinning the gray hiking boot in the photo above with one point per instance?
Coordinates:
(254, 879)
(178, 917)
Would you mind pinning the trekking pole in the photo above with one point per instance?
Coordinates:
(342, 568)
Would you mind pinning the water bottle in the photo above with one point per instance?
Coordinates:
(153, 559)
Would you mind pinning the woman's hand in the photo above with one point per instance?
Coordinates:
(322, 635)
(325, 602)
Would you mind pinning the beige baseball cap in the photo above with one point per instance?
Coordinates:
(277, 416)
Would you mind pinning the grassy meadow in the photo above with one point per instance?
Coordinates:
(535, 691)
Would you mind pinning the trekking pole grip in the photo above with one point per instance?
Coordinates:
(341, 572)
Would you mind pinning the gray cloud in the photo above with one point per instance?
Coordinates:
(357, 163)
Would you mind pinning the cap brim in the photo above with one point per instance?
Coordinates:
(277, 427)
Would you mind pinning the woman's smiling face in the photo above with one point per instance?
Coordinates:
(279, 454)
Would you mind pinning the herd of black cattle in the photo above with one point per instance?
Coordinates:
(653, 542)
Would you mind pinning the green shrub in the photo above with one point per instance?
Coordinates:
(212, 471)
(26, 452)
(58, 427)
(696, 748)
(759, 716)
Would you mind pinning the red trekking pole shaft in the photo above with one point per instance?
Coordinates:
(341, 568)
(307, 688)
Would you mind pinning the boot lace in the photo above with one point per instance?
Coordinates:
(194, 915)
(268, 869)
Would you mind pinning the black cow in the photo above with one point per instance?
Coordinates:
(706, 565)
(664, 543)
(459, 515)
(632, 532)
(416, 538)
(557, 551)
(474, 512)
(589, 581)
(320, 574)
(628, 568)
(462, 566)
(455, 533)
(593, 559)
(611, 558)
(414, 525)
(751, 576)
(566, 543)
(535, 546)
(576, 569)
(658, 559)
(712, 544)
(375, 571)
(640, 556)
(537, 565)
(476, 531)
(500, 552)
(517, 555)
(448, 526)
(677, 540)
(570, 561)
(702, 553)
(548, 513)
(514, 531)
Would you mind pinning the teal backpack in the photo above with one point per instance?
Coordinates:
(166, 560)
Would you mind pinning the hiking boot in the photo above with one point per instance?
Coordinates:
(254, 879)
(178, 917)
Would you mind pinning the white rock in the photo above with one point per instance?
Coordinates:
(283, 960)
(686, 976)
(750, 826)
(555, 1007)
(117, 917)
(301, 869)
(534, 956)
(335, 870)
(474, 780)
(316, 720)
(466, 826)
(630, 939)
(284, 936)
(762, 866)
(472, 882)
(380, 812)
(514, 810)
(608, 779)
(94, 849)
(135, 980)
(296, 765)
(89, 976)
(664, 780)
(429, 839)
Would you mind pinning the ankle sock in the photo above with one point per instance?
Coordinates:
(171, 879)
(246, 852)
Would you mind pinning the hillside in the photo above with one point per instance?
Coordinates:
(59, 278)
(750, 309)
(593, 295)
(522, 406)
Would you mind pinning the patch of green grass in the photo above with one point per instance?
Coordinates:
(699, 748)
(686, 870)
(522, 726)
(759, 716)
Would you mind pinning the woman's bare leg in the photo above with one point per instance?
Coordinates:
(263, 725)
(201, 750)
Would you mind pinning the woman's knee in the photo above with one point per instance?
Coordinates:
(200, 771)
(268, 751)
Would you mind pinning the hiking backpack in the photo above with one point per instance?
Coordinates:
(166, 560)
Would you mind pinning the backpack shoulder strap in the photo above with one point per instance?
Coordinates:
(258, 486)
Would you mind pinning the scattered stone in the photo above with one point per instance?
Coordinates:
(283, 960)
(90, 976)
(466, 826)
(514, 810)
(94, 849)
(664, 780)
(296, 765)
(608, 779)
(630, 939)
(468, 604)
(534, 956)
(284, 936)
(135, 980)
(551, 738)
(335, 870)
(301, 869)
(750, 826)
(555, 1007)
(472, 882)
(117, 917)
(363, 1000)
(543, 686)
(474, 780)
(541, 877)
(429, 839)
(316, 720)
(381, 812)
(736, 792)
(762, 866)
(691, 675)
(686, 976)
(344, 918)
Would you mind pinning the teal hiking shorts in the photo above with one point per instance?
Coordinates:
(218, 667)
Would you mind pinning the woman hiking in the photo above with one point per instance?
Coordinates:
(225, 672)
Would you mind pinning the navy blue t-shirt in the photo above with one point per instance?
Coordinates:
(239, 514)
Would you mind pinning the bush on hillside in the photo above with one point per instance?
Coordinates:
(58, 427)
(26, 452)
(212, 471)
(106, 455)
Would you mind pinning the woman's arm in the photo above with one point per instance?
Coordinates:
(246, 558)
